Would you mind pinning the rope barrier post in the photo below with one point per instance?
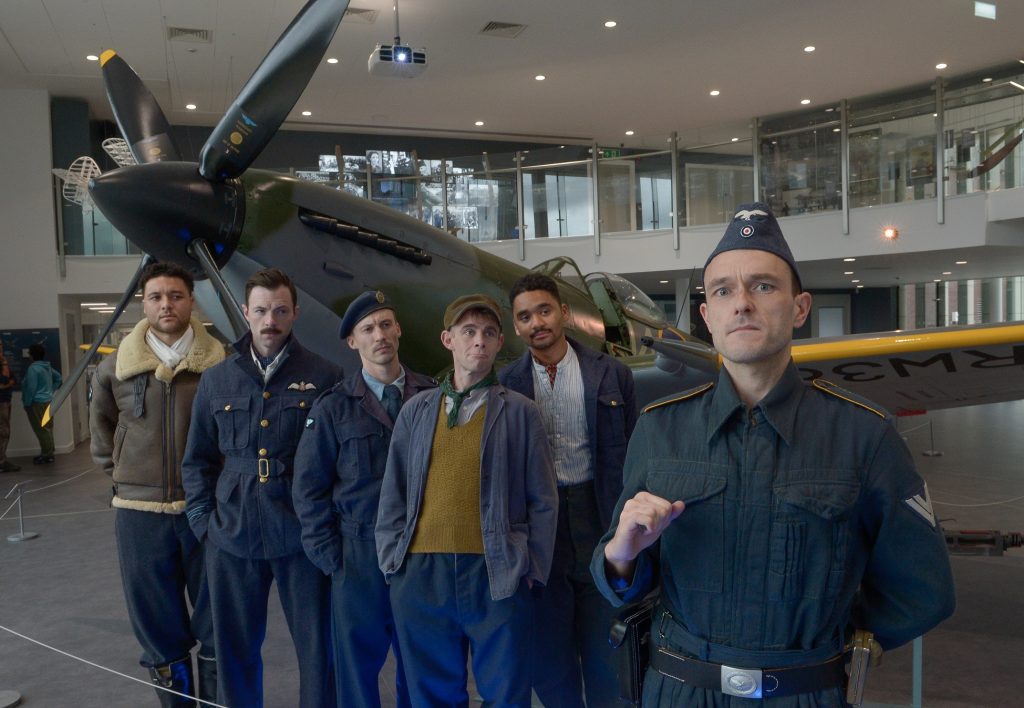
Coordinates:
(931, 452)
(22, 535)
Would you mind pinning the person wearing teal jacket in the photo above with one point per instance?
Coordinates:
(41, 380)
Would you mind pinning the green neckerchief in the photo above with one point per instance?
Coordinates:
(448, 389)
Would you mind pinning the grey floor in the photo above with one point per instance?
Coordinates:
(63, 588)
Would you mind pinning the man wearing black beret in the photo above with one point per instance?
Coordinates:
(338, 470)
(777, 516)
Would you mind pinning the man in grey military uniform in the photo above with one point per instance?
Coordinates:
(777, 516)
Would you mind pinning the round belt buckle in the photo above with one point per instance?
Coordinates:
(742, 683)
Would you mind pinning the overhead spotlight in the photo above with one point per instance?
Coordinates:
(307, 113)
(478, 123)
(855, 280)
(849, 260)
(805, 101)
(610, 23)
(986, 80)
(629, 132)
(847, 272)
(190, 106)
(735, 140)
(92, 57)
(540, 77)
(714, 92)
(941, 65)
(890, 233)
(947, 272)
(332, 60)
(809, 49)
(663, 282)
(961, 262)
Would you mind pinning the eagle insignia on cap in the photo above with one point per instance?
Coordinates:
(745, 214)
(380, 297)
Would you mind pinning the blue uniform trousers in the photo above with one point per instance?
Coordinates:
(161, 562)
(363, 628)
(239, 590)
(573, 619)
(443, 610)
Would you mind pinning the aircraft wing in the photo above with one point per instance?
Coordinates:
(924, 369)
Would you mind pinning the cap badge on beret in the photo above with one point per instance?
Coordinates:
(380, 297)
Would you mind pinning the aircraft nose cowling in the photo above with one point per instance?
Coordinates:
(162, 207)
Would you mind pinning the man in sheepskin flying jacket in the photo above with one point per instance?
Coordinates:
(141, 410)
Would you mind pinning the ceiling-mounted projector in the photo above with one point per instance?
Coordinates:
(397, 59)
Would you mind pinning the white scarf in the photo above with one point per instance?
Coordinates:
(171, 355)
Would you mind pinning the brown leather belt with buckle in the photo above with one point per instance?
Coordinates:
(750, 683)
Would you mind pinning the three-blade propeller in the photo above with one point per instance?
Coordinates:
(192, 215)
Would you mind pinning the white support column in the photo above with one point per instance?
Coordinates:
(952, 309)
(930, 293)
(908, 307)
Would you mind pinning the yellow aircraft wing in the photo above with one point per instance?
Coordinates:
(924, 369)
(103, 348)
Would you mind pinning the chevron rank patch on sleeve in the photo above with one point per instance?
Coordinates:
(922, 504)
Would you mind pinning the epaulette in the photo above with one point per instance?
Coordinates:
(833, 390)
(676, 397)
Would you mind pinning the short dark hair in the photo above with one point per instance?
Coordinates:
(37, 352)
(271, 279)
(166, 270)
(534, 281)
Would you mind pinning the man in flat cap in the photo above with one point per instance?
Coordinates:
(467, 521)
(339, 466)
(780, 518)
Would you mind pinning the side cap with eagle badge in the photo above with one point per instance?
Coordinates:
(754, 228)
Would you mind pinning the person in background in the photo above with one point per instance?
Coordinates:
(6, 389)
(41, 380)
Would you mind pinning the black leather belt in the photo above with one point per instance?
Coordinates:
(750, 683)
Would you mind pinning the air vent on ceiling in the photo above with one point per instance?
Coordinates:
(503, 29)
(361, 15)
(188, 34)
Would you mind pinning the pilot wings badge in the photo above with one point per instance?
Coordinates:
(745, 214)
(301, 386)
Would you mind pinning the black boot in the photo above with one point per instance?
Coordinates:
(176, 676)
(207, 678)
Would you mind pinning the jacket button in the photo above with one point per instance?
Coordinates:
(302, 404)
(263, 452)
(227, 407)
(266, 395)
(615, 403)
(264, 423)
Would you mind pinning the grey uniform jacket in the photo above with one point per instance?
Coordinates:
(518, 496)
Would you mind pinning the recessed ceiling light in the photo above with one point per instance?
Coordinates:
(610, 23)
(984, 10)
(190, 106)
(860, 286)
(847, 272)
(961, 262)
(890, 233)
(829, 109)
(947, 272)
(540, 77)
(662, 281)
(332, 60)
(735, 140)
(1017, 85)
(805, 101)
(629, 132)
(937, 280)
(835, 130)
(855, 280)
(94, 304)
(809, 49)
(92, 57)
(941, 65)
(479, 123)
(849, 260)
(986, 80)
(307, 113)
(715, 92)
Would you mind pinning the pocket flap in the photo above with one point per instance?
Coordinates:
(689, 487)
(827, 499)
(228, 404)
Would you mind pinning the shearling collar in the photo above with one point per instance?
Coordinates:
(134, 356)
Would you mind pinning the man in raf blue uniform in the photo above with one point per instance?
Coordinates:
(338, 470)
(588, 408)
(247, 417)
(777, 516)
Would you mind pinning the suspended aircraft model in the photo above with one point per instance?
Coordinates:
(224, 221)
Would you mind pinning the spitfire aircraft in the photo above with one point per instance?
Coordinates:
(224, 221)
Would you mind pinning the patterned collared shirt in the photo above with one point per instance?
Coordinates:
(564, 414)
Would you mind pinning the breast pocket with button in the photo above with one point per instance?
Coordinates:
(695, 541)
(611, 417)
(810, 538)
(231, 413)
(294, 411)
